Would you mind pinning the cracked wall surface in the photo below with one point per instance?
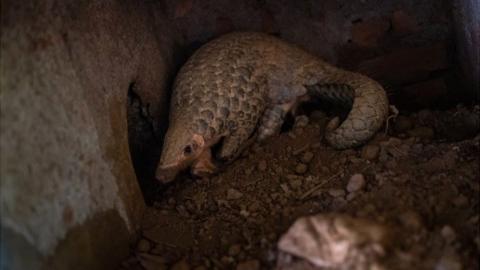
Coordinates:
(66, 68)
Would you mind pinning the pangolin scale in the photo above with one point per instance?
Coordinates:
(241, 85)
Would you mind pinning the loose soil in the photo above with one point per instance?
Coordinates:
(422, 180)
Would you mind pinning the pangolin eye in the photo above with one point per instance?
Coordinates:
(187, 150)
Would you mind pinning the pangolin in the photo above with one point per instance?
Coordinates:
(239, 87)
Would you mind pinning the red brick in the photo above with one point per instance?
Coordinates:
(424, 94)
(223, 25)
(403, 23)
(368, 33)
(268, 22)
(406, 65)
(182, 8)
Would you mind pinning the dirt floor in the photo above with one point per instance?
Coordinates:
(421, 181)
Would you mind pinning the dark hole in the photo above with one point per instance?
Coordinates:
(144, 145)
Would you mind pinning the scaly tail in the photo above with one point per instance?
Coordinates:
(368, 101)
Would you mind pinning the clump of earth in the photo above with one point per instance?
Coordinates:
(420, 179)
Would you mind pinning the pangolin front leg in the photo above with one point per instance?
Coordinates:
(204, 165)
(233, 145)
(271, 122)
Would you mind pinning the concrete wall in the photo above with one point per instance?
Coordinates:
(69, 195)
(467, 26)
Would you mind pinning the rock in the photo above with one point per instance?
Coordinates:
(301, 168)
(181, 265)
(307, 157)
(446, 161)
(301, 121)
(448, 234)
(422, 133)
(182, 210)
(460, 201)
(249, 265)
(370, 151)
(285, 188)
(391, 164)
(411, 219)
(449, 261)
(356, 182)
(234, 250)
(336, 192)
(457, 125)
(262, 165)
(402, 124)
(171, 202)
(351, 196)
(226, 260)
(297, 183)
(152, 262)
(143, 245)
(335, 241)
(233, 194)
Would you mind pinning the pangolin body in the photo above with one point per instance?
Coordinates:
(242, 84)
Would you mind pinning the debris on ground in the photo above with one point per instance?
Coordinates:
(335, 241)
(421, 179)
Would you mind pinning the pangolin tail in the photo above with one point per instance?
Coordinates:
(366, 98)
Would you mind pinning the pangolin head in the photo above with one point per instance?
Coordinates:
(180, 148)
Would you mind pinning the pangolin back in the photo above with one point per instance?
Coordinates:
(228, 84)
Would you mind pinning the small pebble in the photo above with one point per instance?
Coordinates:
(370, 152)
(336, 192)
(233, 194)
(449, 261)
(301, 168)
(249, 265)
(234, 250)
(227, 260)
(285, 188)
(295, 184)
(448, 234)
(262, 165)
(301, 121)
(181, 265)
(307, 157)
(460, 201)
(143, 245)
(352, 196)
(391, 164)
(411, 219)
(356, 182)
(171, 201)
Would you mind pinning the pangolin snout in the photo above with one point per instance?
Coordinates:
(166, 174)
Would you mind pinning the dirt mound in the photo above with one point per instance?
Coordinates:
(421, 183)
